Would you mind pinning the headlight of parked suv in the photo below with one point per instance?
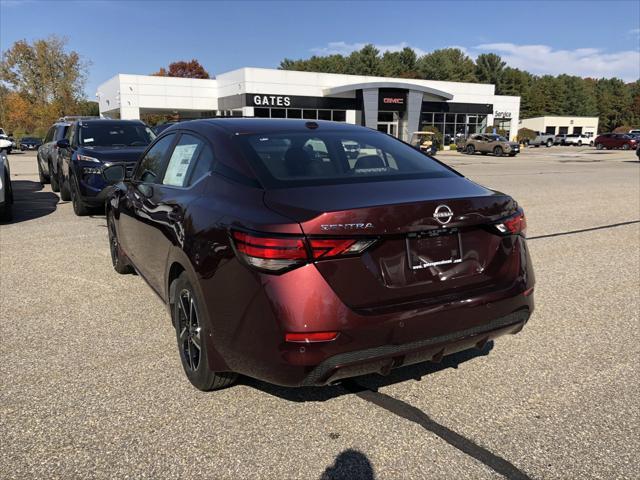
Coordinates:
(85, 158)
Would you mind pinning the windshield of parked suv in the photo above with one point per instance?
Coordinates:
(313, 157)
(114, 134)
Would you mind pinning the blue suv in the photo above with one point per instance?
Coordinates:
(91, 145)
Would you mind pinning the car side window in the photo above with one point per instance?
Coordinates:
(151, 165)
(191, 158)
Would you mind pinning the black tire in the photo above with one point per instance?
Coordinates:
(119, 260)
(188, 327)
(55, 183)
(79, 207)
(549, 143)
(579, 143)
(526, 142)
(41, 177)
(626, 146)
(6, 211)
(65, 192)
(599, 146)
(470, 149)
(497, 151)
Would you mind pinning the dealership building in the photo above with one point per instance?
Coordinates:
(397, 106)
(562, 125)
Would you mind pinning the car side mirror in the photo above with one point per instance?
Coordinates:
(114, 174)
(63, 143)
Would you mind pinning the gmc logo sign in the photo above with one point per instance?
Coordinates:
(397, 101)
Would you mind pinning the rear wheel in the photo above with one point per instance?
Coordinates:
(118, 258)
(471, 149)
(188, 318)
(55, 184)
(549, 143)
(65, 193)
(579, 143)
(599, 146)
(498, 151)
(41, 177)
(79, 207)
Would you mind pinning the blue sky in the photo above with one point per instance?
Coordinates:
(587, 38)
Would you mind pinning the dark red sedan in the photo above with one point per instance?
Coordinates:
(283, 256)
(615, 140)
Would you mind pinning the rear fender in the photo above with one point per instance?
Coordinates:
(177, 255)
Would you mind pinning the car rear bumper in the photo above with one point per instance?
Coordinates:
(252, 317)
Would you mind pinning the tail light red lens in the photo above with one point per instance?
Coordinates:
(310, 337)
(325, 248)
(277, 254)
(514, 225)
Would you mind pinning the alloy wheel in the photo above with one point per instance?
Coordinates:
(189, 331)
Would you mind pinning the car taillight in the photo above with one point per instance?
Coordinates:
(277, 254)
(270, 253)
(325, 248)
(513, 225)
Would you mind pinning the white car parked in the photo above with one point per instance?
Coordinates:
(579, 139)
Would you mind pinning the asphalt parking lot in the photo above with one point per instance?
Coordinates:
(92, 384)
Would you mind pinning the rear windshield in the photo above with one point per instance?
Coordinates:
(329, 157)
(115, 135)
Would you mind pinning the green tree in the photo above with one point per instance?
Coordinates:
(450, 64)
(44, 71)
(400, 64)
(42, 78)
(365, 61)
(490, 68)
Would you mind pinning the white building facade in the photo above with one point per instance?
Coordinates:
(562, 125)
(397, 106)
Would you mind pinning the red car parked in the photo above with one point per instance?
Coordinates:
(616, 140)
(283, 256)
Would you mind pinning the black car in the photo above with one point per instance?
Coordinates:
(91, 145)
(47, 157)
(30, 143)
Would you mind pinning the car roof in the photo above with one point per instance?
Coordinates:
(242, 126)
(107, 121)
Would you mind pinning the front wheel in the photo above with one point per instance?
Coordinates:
(6, 211)
(579, 143)
(79, 207)
(118, 258)
(599, 146)
(549, 143)
(189, 320)
(626, 146)
(498, 151)
(471, 149)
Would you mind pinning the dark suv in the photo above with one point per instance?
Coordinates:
(91, 145)
(47, 156)
(283, 257)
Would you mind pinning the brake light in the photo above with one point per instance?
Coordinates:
(513, 225)
(270, 253)
(325, 248)
(277, 254)
(310, 337)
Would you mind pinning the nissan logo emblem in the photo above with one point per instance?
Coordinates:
(443, 214)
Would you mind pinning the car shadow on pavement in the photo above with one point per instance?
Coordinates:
(30, 202)
(350, 465)
(373, 381)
